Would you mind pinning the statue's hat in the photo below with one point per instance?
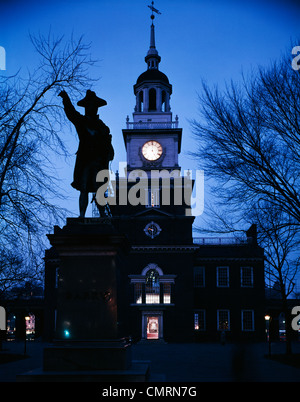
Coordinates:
(91, 97)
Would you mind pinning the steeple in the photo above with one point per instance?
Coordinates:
(152, 88)
(152, 58)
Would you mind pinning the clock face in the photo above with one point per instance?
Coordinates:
(152, 230)
(152, 150)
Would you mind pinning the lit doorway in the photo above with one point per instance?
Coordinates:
(152, 328)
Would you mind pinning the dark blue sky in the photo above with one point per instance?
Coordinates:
(211, 40)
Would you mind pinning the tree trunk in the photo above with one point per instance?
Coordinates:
(288, 328)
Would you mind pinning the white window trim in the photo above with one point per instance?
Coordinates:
(152, 198)
(204, 317)
(242, 321)
(223, 286)
(218, 312)
(246, 286)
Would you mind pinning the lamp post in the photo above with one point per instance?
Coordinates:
(27, 318)
(268, 319)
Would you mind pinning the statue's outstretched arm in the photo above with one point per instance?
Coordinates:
(70, 111)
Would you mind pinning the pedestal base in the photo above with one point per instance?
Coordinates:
(88, 355)
(82, 361)
(138, 372)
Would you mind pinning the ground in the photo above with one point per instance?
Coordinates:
(202, 362)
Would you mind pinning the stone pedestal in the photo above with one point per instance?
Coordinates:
(90, 253)
(88, 344)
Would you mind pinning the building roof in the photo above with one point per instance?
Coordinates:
(152, 74)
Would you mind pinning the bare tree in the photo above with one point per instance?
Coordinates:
(31, 120)
(280, 239)
(249, 139)
(249, 144)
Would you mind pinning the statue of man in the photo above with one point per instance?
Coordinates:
(95, 149)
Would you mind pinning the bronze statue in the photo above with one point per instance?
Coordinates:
(95, 148)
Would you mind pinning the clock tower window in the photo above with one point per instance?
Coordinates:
(140, 102)
(153, 198)
(152, 99)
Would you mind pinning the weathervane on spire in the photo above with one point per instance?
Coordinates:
(154, 10)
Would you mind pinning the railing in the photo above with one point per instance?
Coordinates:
(141, 125)
(220, 241)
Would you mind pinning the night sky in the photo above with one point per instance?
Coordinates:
(206, 40)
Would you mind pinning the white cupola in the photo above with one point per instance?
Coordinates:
(152, 89)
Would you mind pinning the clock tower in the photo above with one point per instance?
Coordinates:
(158, 270)
(152, 139)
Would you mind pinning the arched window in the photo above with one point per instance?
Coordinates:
(163, 100)
(140, 101)
(152, 99)
(152, 287)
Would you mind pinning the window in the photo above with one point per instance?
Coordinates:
(138, 292)
(140, 101)
(167, 293)
(247, 277)
(223, 277)
(223, 320)
(163, 100)
(152, 99)
(153, 198)
(199, 320)
(199, 277)
(247, 320)
(152, 287)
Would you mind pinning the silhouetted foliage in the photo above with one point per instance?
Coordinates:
(31, 119)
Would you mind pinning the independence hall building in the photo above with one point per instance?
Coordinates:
(172, 287)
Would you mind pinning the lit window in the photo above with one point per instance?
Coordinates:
(138, 291)
(167, 293)
(247, 320)
(152, 287)
(223, 320)
(223, 277)
(247, 277)
(199, 279)
(30, 326)
(199, 320)
(153, 198)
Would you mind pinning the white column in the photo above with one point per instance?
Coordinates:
(167, 102)
(158, 99)
(146, 99)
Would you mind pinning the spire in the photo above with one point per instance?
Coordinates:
(152, 37)
(152, 58)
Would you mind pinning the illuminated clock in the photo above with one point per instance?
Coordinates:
(152, 150)
(152, 229)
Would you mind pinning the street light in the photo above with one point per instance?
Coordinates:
(268, 319)
(27, 318)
